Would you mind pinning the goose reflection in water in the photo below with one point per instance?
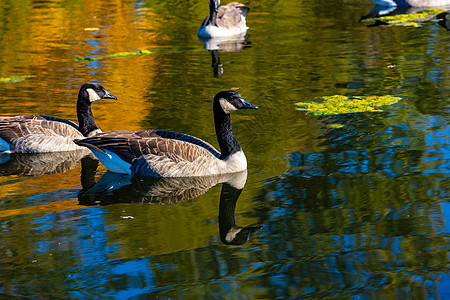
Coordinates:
(223, 44)
(36, 164)
(113, 188)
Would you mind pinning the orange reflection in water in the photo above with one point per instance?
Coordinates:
(55, 34)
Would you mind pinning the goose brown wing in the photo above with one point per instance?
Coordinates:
(229, 15)
(182, 137)
(129, 145)
(12, 128)
(229, 18)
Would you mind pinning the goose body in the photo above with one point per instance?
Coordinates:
(413, 3)
(159, 153)
(224, 21)
(40, 134)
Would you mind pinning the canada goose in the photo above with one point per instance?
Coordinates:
(412, 3)
(226, 20)
(38, 134)
(158, 153)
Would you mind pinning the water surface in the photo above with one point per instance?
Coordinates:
(359, 211)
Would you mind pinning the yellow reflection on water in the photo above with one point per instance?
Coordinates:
(53, 34)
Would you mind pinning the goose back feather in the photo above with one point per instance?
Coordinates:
(172, 154)
(36, 134)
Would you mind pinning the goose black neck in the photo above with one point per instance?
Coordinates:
(85, 118)
(227, 141)
(212, 15)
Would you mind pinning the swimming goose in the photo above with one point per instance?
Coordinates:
(226, 20)
(39, 134)
(159, 153)
(412, 3)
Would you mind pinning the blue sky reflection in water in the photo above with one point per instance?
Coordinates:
(358, 211)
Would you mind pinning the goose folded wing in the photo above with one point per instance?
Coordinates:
(176, 148)
(129, 145)
(21, 126)
(228, 18)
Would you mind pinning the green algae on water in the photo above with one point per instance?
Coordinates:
(15, 78)
(412, 20)
(119, 54)
(338, 104)
(335, 125)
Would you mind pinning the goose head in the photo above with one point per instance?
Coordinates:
(91, 92)
(230, 101)
(225, 103)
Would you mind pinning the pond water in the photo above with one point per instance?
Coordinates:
(360, 211)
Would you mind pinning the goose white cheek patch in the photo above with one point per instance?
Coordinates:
(227, 106)
(93, 96)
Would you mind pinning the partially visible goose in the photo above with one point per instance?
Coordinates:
(227, 20)
(158, 153)
(39, 134)
(412, 3)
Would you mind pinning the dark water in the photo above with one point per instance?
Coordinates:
(356, 212)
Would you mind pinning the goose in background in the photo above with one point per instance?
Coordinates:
(40, 134)
(159, 153)
(224, 21)
(412, 3)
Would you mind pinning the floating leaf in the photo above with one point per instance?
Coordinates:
(119, 54)
(335, 125)
(338, 104)
(412, 20)
(15, 78)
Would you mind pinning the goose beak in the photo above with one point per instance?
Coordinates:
(248, 105)
(108, 95)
